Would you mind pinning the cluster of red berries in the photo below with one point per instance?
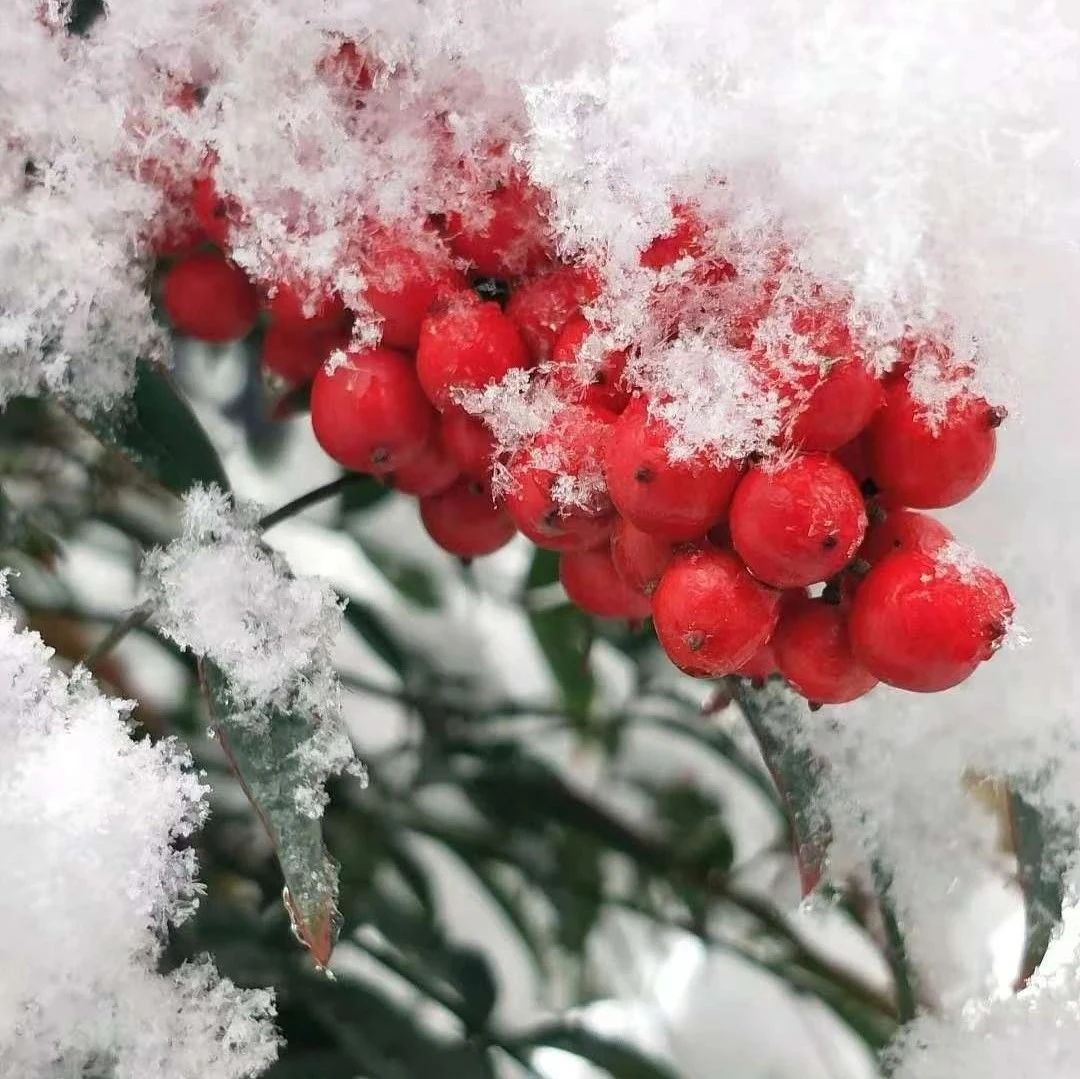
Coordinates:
(724, 556)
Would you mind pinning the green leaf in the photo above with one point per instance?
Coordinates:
(564, 635)
(270, 771)
(770, 715)
(361, 496)
(619, 1060)
(158, 432)
(411, 579)
(382, 642)
(896, 952)
(1042, 844)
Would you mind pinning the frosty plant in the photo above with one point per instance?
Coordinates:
(687, 314)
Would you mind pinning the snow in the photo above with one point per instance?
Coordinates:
(88, 822)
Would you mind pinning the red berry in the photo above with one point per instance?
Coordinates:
(855, 457)
(833, 406)
(304, 306)
(369, 412)
(607, 388)
(761, 664)
(467, 346)
(710, 615)
(797, 523)
(208, 297)
(924, 623)
(430, 473)
(296, 354)
(557, 496)
(541, 307)
(640, 557)
(813, 652)
(917, 463)
(686, 240)
(592, 583)
(903, 530)
(508, 236)
(468, 441)
(349, 67)
(679, 500)
(401, 285)
(465, 520)
(216, 213)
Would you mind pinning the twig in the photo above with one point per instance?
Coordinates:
(135, 618)
(312, 498)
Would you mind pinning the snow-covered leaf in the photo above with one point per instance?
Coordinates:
(769, 713)
(272, 767)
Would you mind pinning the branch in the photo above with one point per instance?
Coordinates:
(312, 498)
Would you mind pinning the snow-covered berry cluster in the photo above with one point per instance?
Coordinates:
(800, 553)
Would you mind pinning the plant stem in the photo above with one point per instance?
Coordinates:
(312, 498)
(135, 618)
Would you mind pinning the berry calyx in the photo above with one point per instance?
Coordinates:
(465, 520)
(593, 584)
(402, 284)
(929, 465)
(467, 346)
(902, 530)
(924, 622)
(639, 557)
(813, 652)
(296, 355)
(606, 387)
(208, 297)
(369, 413)
(468, 442)
(557, 495)
(430, 473)
(798, 523)
(541, 307)
(679, 500)
(710, 614)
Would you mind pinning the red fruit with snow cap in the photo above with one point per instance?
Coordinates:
(369, 413)
(607, 387)
(813, 652)
(798, 523)
(640, 558)
(557, 495)
(468, 441)
(679, 500)
(216, 213)
(710, 615)
(924, 622)
(304, 306)
(926, 464)
(465, 520)
(466, 346)
(210, 298)
(593, 584)
(541, 307)
(402, 284)
(508, 235)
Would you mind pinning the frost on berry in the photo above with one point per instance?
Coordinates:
(223, 595)
(88, 822)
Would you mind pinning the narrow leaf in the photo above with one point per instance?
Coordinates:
(378, 637)
(158, 432)
(619, 1060)
(770, 715)
(1041, 843)
(265, 761)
